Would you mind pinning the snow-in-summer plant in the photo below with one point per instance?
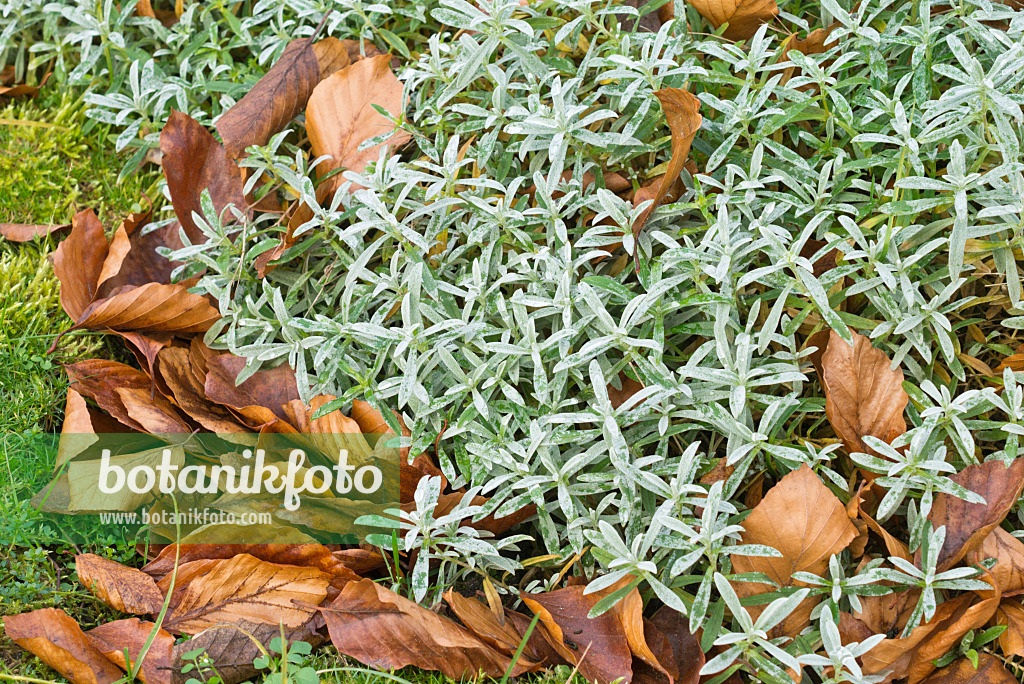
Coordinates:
(474, 282)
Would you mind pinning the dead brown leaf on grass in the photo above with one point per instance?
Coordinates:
(56, 639)
(122, 588)
(112, 638)
(381, 629)
(209, 592)
(23, 232)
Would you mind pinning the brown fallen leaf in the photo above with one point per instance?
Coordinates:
(803, 520)
(681, 109)
(674, 628)
(1011, 614)
(814, 44)
(597, 646)
(479, 619)
(273, 101)
(260, 399)
(990, 670)
(194, 161)
(340, 116)
(23, 90)
(863, 395)
(302, 555)
(122, 588)
(381, 629)
(209, 592)
(332, 55)
(110, 384)
(58, 641)
(912, 656)
(743, 16)
(133, 260)
(153, 307)
(968, 524)
(113, 638)
(78, 262)
(188, 394)
(1008, 551)
(232, 648)
(23, 232)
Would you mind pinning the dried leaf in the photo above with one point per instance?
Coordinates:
(232, 648)
(744, 16)
(381, 629)
(274, 101)
(133, 259)
(1011, 614)
(303, 555)
(332, 55)
(339, 117)
(58, 641)
(968, 524)
(189, 395)
(481, 621)
(990, 670)
(597, 646)
(682, 115)
(23, 90)
(122, 588)
(78, 262)
(912, 655)
(674, 627)
(208, 592)
(261, 398)
(194, 161)
(109, 382)
(1008, 551)
(23, 232)
(803, 520)
(863, 395)
(113, 638)
(153, 307)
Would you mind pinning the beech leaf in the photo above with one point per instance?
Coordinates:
(122, 588)
(743, 16)
(803, 520)
(113, 638)
(56, 639)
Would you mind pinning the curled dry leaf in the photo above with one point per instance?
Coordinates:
(990, 670)
(315, 556)
(211, 592)
(113, 638)
(120, 587)
(23, 232)
(110, 383)
(194, 161)
(968, 524)
(673, 628)
(23, 90)
(481, 621)
(133, 258)
(153, 307)
(188, 394)
(1008, 551)
(1011, 614)
(803, 520)
(340, 115)
(381, 629)
(863, 394)
(743, 16)
(912, 656)
(56, 639)
(78, 262)
(681, 109)
(597, 646)
(273, 101)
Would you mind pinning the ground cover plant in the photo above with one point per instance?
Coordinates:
(698, 322)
